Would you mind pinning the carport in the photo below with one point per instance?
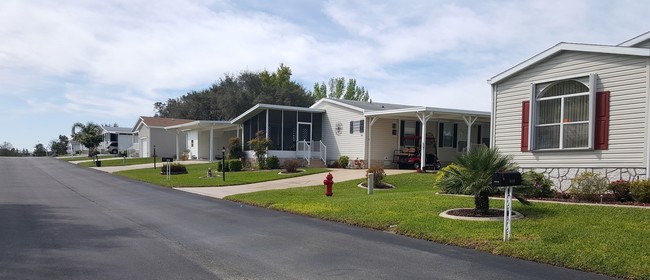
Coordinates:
(425, 115)
(195, 129)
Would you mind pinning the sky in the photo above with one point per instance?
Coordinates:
(109, 61)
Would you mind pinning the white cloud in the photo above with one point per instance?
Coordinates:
(115, 58)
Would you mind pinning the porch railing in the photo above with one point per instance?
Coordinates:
(312, 149)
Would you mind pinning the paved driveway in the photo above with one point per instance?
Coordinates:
(339, 175)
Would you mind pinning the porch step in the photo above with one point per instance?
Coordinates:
(316, 163)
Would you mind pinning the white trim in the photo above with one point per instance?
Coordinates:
(569, 47)
(593, 84)
(337, 103)
(262, 106)
(635, 40)
(427, 109)
(647, 119)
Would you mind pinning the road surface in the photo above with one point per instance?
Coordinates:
(62, 221)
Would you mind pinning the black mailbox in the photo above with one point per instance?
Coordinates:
(506, 179)
(167, 159)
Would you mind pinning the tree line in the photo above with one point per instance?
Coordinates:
(232, 95)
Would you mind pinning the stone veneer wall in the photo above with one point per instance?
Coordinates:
(561, 177)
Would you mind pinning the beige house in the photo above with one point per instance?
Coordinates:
(149, 133)
(577, 107)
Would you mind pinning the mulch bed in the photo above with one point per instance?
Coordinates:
(467, 212)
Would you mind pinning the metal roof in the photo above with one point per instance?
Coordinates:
(201, 125)
(261, 107)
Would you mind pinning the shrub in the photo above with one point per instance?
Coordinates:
(174, 168)
(234, 165)
(291, 165)
(344, 161)
(219, 167)
(621, 190)
(272, 162)
(260, 144)
(235, 150)
(640, 191)
(449, 184)
(334, 164)
(536, 185)
(588, 186)
(378, 174)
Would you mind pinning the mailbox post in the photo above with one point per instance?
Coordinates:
(169, 161)
(507, 181)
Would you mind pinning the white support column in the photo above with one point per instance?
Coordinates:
(469, 121)
(423, 143)
(211, 143)
(369, 132)
(178, 154)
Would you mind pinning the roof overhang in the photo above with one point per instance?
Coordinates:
(622, 50)
(332, 101)
(201, 125)
(636, 40)
(436, 113)
(261, 107)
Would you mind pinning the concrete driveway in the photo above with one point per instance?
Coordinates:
(340, 175)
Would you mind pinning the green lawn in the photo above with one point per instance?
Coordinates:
(196, 176)
(121, 162)
(608, 240)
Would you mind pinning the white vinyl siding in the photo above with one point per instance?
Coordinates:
(344, 144)
(384, 143)
(624, 76)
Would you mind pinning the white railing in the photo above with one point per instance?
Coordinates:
(304, 150)
(323, 152)
(308, 149)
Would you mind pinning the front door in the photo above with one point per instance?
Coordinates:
(304, 132)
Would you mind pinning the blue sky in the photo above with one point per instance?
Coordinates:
(108, 61)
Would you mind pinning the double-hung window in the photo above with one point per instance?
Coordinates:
(563, 114)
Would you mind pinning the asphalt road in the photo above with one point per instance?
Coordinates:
(62, 221)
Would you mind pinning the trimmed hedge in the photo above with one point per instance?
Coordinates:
(640, 191)
(231, 165)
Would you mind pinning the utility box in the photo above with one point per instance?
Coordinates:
(506, 179)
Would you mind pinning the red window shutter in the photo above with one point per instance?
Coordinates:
(601, 133)
(525, 119)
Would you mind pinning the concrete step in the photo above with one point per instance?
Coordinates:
(316, 163)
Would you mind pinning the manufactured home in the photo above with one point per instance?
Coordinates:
(577, 107)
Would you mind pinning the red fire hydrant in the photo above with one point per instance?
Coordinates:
(328, 182)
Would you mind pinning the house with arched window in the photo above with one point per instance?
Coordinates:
(577, 107)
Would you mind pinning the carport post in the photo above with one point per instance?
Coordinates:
(211, 143)
(372, 121)
(469, 121)
(423, 143)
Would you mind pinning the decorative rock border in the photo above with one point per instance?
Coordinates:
(515, 216)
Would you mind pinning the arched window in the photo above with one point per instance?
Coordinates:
(562, 114)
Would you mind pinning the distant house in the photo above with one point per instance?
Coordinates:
(575, 108)
(150, 134)
(205, 139)
(369, 133)
(116, 139)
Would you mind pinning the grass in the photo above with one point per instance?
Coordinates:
(607, 240)
(121, 162)
(196, 176)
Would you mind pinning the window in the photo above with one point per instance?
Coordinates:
(394, 129)
(562, 115)
(447, 135)
(357, 126)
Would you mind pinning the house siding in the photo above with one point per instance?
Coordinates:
(624, 76)
(383, 142)
(345, 144)
(165, 142)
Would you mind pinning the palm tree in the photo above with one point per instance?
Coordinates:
(472, 173)
(89, 135)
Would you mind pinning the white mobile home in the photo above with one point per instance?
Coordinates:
(576, 107)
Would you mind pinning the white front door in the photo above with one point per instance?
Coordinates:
(144, 148)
